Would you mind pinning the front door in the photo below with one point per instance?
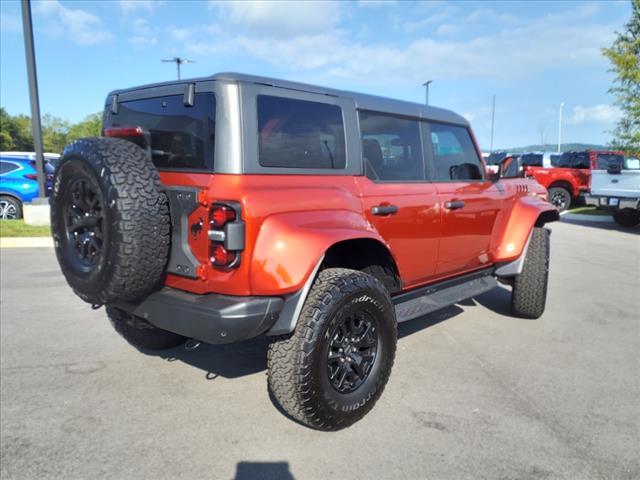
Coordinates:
(470, 203)
(397, 200)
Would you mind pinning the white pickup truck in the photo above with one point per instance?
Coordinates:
(617, 189)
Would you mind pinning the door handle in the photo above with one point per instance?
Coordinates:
(384, 210)
(455, 205)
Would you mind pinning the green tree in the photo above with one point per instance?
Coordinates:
(90, 126)
(624, 55)
(54, 133)
(6, 142)
(18, 129)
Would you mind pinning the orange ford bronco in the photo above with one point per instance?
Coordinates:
(226, 207)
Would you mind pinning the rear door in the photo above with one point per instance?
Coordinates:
(397, 199)
(470, 203)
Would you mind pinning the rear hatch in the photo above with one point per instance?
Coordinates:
(179, 133)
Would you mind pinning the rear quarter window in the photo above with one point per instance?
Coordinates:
(300, 134)
(8, 167)
(181, 137)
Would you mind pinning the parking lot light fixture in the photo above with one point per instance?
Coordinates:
(426, 84)
(560, 125)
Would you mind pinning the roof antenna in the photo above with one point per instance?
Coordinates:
(178, 61)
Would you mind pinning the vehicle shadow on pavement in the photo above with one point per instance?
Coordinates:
(602, 225)
(497, 300)
(249, 357)
(228, 361)
(263, 470)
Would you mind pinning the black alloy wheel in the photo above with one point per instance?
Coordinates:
(84, 223)
(352, 352)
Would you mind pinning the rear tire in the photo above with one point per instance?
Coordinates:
(529, 295)
(626, 217)
(332, 369)
(10, 208)
(140, 333)
(560, 198)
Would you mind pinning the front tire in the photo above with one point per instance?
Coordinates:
(140, 333)
(332, 369)
(626, 217)
(529, 295)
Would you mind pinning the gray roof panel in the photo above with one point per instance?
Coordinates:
(362, 101)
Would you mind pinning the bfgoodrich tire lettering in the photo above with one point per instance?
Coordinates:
(529, 295)
(123, 218)
(298, 363)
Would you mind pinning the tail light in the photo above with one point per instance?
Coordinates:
(31, 176)
(134, 131)
(221, 215)
(226, 234)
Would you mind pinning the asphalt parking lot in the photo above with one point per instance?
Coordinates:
(474, 393)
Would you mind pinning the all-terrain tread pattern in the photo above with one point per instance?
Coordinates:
(289, 368)
(529, 294)
(140, 220)
(140, 333)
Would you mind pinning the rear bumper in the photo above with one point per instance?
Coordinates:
(605, 202)
(210, 318)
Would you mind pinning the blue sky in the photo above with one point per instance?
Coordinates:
(532, 55)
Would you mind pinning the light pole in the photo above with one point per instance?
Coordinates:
(178, 61)
(426, 84)
(560, 125)
(493, 118)
(36, 127)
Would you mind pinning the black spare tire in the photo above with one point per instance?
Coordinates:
(110, 220)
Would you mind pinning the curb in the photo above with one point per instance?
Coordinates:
(25, 242)
(586, 218)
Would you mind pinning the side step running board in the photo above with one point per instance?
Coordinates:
(434, 297)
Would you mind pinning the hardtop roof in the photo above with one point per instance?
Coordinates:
(362, 101)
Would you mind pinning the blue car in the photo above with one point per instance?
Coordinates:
(19, 184)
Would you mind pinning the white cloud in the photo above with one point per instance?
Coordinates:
(134, 6)
(143, 35)
(281, 18)
(601, 113)
(514, 51)
(80, 26)
(10, 23)
(180, 34)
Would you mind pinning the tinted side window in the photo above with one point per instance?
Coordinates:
(606, 160)
(555, 159)
(454, 154)
(181, 137)
(574, 160)
(7, 167)
(300, 134)
(532, 160)
(391, 147)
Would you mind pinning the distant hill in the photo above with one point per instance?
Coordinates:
(552, 148)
